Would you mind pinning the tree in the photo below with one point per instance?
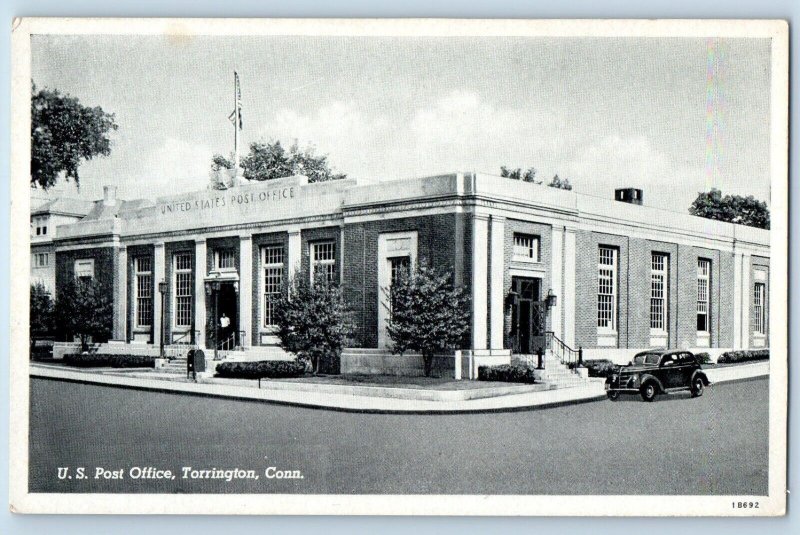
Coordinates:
(42, 319)
(83, 308)
(517, 174)
(64, 133)
(560, 183)
(427, 313)
(268, 161)
(312, 322)
(530, 176)
(731, 208)
(220, 172)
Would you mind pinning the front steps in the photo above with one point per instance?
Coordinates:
(555, 374)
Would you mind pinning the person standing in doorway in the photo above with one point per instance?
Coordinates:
(224, 327)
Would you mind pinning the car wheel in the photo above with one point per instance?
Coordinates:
(648, 391)
(697, 387)
(613, 395)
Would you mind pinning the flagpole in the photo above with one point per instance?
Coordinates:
(236, 125)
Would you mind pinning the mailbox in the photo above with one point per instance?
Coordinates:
(195, 362)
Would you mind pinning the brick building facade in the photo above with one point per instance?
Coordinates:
(608, 276)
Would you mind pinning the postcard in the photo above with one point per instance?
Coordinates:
(399, 267)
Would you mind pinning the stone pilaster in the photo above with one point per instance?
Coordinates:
(121, 295)
(568, 300)
(159, 272)
(480, 290)
(293, 254)
(738, 302)
(556, 280)
(200, 253)
(246, 288)
(496, 276)
(746, 292)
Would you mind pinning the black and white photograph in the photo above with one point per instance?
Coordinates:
(401, 267)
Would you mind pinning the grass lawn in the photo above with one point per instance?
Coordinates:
(394, 381)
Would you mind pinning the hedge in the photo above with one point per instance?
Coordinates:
(600, 367)
(272, 369)
(703, 358)
(104, 360)
(509, 373)
(745, 355)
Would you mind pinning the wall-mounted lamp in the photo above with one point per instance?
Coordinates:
(211, 287)
(551, 300)
(511, 298)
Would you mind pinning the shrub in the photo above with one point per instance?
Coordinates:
(103, 360)
(426, 313)
(312, 322)
(745, 355)
(703, 358)
(271, 369)
(600, 367)
(509, 373)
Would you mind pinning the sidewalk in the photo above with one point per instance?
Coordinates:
(333, 397)
(364, 398)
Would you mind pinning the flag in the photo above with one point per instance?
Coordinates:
(232, 116)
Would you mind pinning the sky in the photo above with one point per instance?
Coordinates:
(673, 116)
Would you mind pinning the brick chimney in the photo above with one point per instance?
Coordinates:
(629, 195)
(109, 195)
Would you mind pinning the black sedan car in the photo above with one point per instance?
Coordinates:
(658, 371)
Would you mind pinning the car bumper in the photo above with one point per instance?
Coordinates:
(610, 388)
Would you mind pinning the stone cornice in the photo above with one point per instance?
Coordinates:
(222, 231)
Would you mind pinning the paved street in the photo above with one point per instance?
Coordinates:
(716, 444)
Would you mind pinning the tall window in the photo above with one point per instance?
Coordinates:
(759, 308)
(143, 277)
(703, 294)
(272, 262)
(226, 260)
(183, 289)
(659, 266)
(526, 247)
(84, 269)
(399, 265)
(607, 289)
(323, 260)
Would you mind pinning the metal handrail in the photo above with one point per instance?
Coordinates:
(572, 358)
(231, 342)
(181, 340)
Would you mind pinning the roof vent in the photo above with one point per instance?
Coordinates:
(629, 195)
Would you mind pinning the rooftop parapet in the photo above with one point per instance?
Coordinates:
(89, 229)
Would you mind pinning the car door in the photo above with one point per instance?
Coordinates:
(687, 364)
(670, 371)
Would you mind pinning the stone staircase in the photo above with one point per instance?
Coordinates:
(555, 374)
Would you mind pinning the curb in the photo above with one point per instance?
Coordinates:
(365, 404)
(324, 402)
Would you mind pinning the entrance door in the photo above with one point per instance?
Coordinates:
(528, 316)
(224, 303)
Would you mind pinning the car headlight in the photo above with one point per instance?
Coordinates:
(635, 379)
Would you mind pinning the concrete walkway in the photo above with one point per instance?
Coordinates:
(334, 397)
(356, 398)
